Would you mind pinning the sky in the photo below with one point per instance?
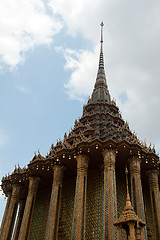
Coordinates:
(49, 52)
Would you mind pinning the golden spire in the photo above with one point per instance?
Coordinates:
(101, 61)
(100, 92)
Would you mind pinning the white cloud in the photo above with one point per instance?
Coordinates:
(79, 16)
(82, 64)
(24, 25)
(22, 89)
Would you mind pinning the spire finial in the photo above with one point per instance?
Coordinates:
(100, 92)
(102, 24)
(101, 61)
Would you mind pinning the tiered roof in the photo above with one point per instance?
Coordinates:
(101, 126)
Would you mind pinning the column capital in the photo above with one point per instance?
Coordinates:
(58, 174)
(134, 164)
(34, 178)
(9, 193)
(82, 163)
(152, 172)
(33, 183)
(109, 155)
(153, 177)
(16, 191)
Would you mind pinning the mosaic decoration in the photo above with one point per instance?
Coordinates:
(94, 211)
(121, 198)
(106, 205)
(148, 210)
(68, 192)
(134, 196)
(40, 215)
(30, 216)
(75, 214)
(26, 207)
(84, 200)
(50, 214)
(155, 213)
(57, 211)
(159, 196)
(114, 202)
(143, 216)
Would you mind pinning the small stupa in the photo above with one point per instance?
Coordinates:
(128, 220)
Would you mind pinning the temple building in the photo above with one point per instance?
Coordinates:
(80, 190)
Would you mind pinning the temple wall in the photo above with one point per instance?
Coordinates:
(94, 207)
(148, 210)
(121, 196)
(68, 192)
(121, 192)
(94, 218)
(40, 215)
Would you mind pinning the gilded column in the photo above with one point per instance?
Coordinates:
(5, 213)
(155, 200)
(29, 206)
(19, 219)
(79, 215)
(55, 201)
(110, 198)
(136, 190)
(10, 219)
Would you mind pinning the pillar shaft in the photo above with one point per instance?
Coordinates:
(110, 198)
(132, 231)
(10, 219)
(155, 200)
(19, 219)
(136, 190)
(119, 232)
(5, 214)
(79, 215)
(55, 201)
(29, 206)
